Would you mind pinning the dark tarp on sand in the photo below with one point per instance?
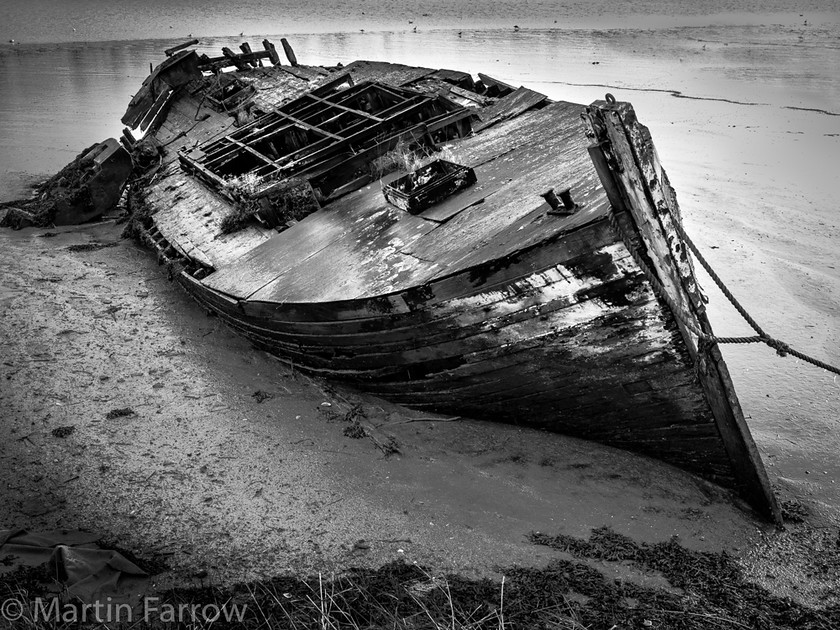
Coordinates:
(86, 572)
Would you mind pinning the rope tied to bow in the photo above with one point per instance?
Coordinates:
(705, 340)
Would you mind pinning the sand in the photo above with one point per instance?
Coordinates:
(209, 479)
(205, 476)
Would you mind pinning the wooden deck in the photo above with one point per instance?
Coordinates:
(362, 246)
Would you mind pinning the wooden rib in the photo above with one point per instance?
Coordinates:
(316, 97)
(342, 107)
(444, 120)
(306, 125)
(251, 150)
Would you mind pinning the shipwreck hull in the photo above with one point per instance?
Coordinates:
(494, 303)
(568, 337)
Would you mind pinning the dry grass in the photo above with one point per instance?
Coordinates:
(404, 159)
(398, 596)
(401, 158)
(336, 604)
(247, 184)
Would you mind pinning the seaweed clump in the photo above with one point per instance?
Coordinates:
(67, 187)
(147, 158)
(139, 214)
(276, 204)
(708, 589)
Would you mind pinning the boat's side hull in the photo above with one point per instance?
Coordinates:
(647, 213)
(568, 336)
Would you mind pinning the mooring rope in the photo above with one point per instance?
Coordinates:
(706, 340)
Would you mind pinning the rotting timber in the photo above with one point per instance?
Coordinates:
(496, 299)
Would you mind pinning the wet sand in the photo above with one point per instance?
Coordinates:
(204, 476)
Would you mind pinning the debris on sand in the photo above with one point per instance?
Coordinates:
(85, 189)
(355, 431)
(794, 511)
(15, 217)
(120, 413)
(389, 445)
(353, 412)
(705, 587)
(88, 247)
(153, 565)
(63, 432)
(261, 396)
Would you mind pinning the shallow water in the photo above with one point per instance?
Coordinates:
(93, 20)
(62, 98)
(744, 109)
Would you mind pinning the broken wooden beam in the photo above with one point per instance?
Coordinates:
(272, 52)
(190, 165)
(509, 106)
(290, 54)
(494, 86)
(236, 59)
(154, 112)
(128, 140)
(245, 47)
(214, 64)
(305, 125)
(126, 132)
(451, 118)
(455, 77)
(175, 71)
(171, 51)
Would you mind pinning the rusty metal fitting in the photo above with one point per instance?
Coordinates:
(551, 199)
(562, 205)
(568, 203)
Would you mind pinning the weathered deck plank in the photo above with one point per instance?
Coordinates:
(276, 86)
(190, 219)
(517, 102)
(369, 256)
(393, 73)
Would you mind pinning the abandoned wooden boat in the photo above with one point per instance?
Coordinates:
(458, 246)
